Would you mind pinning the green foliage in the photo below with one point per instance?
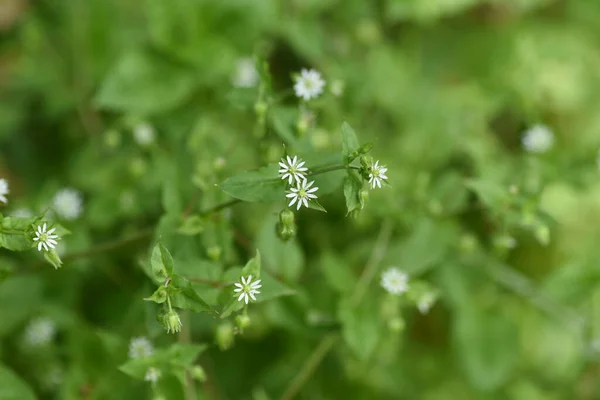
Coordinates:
(472, 273)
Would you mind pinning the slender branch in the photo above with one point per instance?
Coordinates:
(109, 246)
(310, 366)
(327, 169)
(185, 337)
(377, 254)
(220, 206)
(210, 282)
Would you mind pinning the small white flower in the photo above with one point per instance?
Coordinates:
(293, 169)
(302, 194)
(45, 239)
(22, 213)
(394, 281)
(4, 190)
(68, 203)
(143, 133)
(152, 375)
(538, 139)
(309, 85)
(246, 75)
(247, 289)
(140, 347)
(425, 302)
(40, 332)
(377, 175)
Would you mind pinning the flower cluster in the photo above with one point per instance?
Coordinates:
(293, 170)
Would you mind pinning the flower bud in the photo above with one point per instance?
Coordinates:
(224, 336)
(396, 324)
(173, 322)
(112, 138)
(242, 321)
(467, 243)
(302, 126)
(197, 372)
(363, 195)
(260, 108)
(286, 217)
(285, 233)
(214, 252)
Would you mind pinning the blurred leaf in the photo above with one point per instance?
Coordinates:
(143, 83)
(350, 141)
(20, 297)
(491, 193)
(12, 387)
(162, 263)
(186, 297)
(352, 187)
(338, 273)
(361, 327)
(282, 258)
(263, 185)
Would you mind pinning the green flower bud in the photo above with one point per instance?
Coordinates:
(285, 233)
(224, 336)
(173, 322)
(363, 195)
(467, 243)
(396, 324)
(242, 321)
(214, 252)
(435, 207)
(197, 372)
(260, 108)
(219, 163)
(112, 138)
(138, 167)
(302, 126)
(286, 217)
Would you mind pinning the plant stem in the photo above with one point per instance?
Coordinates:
(220, 206)
(185, 338)
(377, 254)
(330, 168)
(310, 366)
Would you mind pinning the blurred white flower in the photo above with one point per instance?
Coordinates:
(425, 302)
(377, 175)
(538, 139)
(309, 85)
(152, 375)
(45, 239)
(22, 213)
(245, 75)
(140, 347)
(4, 190)
(247, 289)
(40, 331)
(394, 281)
(302, 194)
(68, 203)
(144, 134)
(292, 169)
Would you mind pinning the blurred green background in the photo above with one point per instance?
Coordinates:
(445, 89)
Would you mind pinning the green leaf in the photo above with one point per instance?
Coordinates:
(263, 185)
(338, 273)
(490, 193)
(282, 258)
(315, 205)
(191, 226)
(159, 296)
(12, 387)
(162, 263)
(253, 266)
(186, 298)
(20, 297)
(350, 141)
(13, 233)
(327, 182)
(143, 83)
(361, 326)
(487, 345)
(352, 187)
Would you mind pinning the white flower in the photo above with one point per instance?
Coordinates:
(4, 190)
(247, 289)
(45, 239)
(22, 213)
(246, 75)
(301, 194)
(143, 133)
(68, 203)
(40, 332)
(425, 302)
(309, 84)
(538, 139)
(152, 375)
(140, 347)
(377, 175)
(394, 281)
(293, 169)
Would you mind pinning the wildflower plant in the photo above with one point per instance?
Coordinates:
(200, 198)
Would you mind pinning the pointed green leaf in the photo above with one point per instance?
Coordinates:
(263, 185)
(350, 141)
(352, 186)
